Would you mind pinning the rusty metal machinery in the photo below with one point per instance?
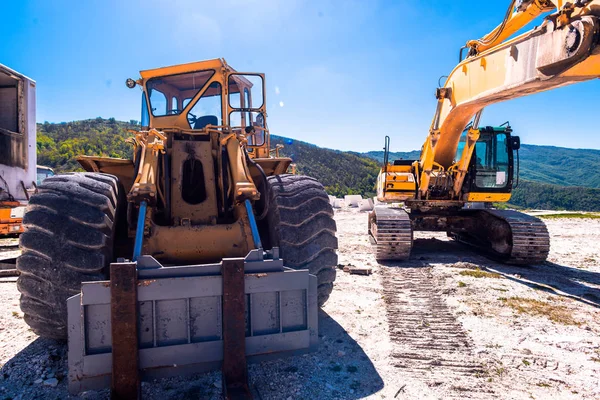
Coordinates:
(219, 253)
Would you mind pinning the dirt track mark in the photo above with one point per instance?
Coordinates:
(429, 343)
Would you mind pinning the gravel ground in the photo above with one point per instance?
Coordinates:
(446, 324)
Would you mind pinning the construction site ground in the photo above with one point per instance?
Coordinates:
(448, 323)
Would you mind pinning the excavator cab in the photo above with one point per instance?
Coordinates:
(491, 169)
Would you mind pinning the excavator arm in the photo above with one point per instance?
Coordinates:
(526, 11)
(563, 50)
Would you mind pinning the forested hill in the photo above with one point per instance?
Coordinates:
(59, 144)
(346, 172)
(340, 172)
(560, 165)
(394, 155)
(543, 196)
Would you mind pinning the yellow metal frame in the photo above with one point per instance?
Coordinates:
(489, 197)
(152, 144)
(396, 183)
(217, 224)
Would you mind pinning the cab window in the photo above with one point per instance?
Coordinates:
(43, 173)
(208, 108)
(167, 94)
(491, 161)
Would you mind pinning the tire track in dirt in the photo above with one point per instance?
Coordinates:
(430, 345)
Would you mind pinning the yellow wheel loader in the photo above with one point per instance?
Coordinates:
(465, 167)
(199, 250)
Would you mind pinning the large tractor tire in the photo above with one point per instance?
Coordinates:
(301, 224)
(69, 236)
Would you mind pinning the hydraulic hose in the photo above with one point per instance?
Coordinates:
(265, 191)
(136, 166)
(139, 233)
(253, 226)
(500, 28)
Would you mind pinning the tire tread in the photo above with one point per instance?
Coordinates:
(68, 239)
(301, 223)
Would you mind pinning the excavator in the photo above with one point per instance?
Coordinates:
(464, 167)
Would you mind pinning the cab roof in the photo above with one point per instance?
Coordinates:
(215, 64)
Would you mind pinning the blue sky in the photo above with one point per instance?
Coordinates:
(347, 72)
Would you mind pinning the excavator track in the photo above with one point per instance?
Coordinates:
(512, 237)
(391, 232)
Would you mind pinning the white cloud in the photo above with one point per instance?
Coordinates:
(277, 90)
(281, 104)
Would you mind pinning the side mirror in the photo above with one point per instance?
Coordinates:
(515, 142)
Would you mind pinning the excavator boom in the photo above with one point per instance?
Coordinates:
(562, 51)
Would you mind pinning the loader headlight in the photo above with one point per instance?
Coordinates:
(15, 228)
(130, 83)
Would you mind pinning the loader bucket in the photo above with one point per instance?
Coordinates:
(180, 319)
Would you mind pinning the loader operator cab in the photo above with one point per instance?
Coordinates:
(195, 101)
(171, 96)
(491, 168)
(245, 102)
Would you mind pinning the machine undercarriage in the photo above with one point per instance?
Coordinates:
(504, 235)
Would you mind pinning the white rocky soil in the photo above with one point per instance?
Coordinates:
(448, 323)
